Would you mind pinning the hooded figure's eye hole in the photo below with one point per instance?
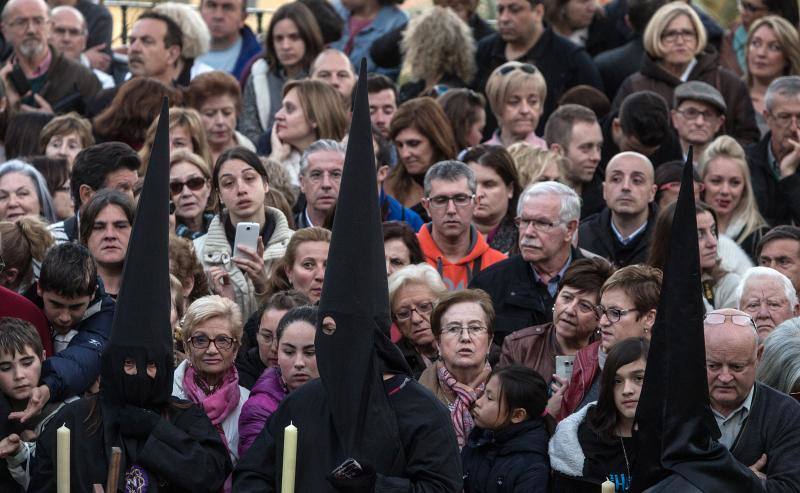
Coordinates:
(130, 366)
(328, 326)
(152, 369)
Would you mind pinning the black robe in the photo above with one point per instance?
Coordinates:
(184, 453)
(429, 460)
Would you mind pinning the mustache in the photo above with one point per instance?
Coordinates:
(529, 243)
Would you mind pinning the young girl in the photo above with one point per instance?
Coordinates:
(507, 450)
(595, 444)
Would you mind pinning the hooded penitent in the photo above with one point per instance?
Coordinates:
(352, 359)
(141, 330)
(676, 437)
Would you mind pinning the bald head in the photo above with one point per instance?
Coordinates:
(629, 186)
(68, 33)
(731, 358)
(16, 7)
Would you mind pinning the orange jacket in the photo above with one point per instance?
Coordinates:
(457, 275)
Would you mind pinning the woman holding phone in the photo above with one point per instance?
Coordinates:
(240, 182)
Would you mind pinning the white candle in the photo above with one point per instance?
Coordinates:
(62, 456)
(289, 458)
(607, 487)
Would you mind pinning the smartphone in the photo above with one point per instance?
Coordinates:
(246, 235)
(19, 80)
(564, 366)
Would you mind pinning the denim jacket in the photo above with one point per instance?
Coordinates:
(389, 18)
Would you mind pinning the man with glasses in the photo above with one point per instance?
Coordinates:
(38, 78)
(768, 297)
(450, 242)
(698, 115)
(759, 425)
(320, 176)
(774, 160)
(523, 287)
(69, 35)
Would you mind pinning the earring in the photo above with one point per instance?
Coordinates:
(646, 330)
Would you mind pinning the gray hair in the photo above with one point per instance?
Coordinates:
(780, 362)
(72, 10)
(415, 274)
(787, 87)
(45, 200)
(450, 170)
(770, 273)
(332, 51)
(570, 201)
(322, 145)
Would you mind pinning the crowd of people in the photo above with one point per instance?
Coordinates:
(526, 172)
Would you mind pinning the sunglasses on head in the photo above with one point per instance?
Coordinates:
(194, 184)
(525, 67)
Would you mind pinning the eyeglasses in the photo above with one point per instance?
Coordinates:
(538, 224)
(455, 330)
(612, 314)
(194, 184)
(23, 22)
(267, 337)
(525, 67)
(786, 119)
(223, 343)
(422, 309)
(459, 200)
(672, 36)
(720, 318)
(748, 7)
(317, 175)
(693, 114)
(72, 31)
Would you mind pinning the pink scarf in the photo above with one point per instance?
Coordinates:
(218, 404)
(465, 398)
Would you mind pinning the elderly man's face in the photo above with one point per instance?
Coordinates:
(26, 26)
(697, 122)
(68, 34)
(320, 180)
(784, 122)
(731, 359)
(764, 299)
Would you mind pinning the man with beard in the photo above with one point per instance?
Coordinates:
(621, 232)
(37, 77)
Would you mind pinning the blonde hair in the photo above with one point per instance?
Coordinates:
(508, 77)
(196, 38)
(437, 43)
(212, 306)
(746, 210)
(532, 161)
(659, 22)
(178, 117)
(23, 244)
(788, 38)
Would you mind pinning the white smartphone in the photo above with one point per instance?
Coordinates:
(564, 366)
(246, 235)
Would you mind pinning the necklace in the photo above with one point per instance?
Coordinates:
(625, 454)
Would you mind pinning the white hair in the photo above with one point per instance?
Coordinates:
(768, 273)
(570, 201)
(196, 38)
(321, 145)
(780, 362)
(415, 274)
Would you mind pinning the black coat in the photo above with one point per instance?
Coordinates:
(778, 200)
(519, 301)
(595, 234)
(563, 64)
(184, 451)
(250, 367)
(426, 461)
(512, 460)
(617, 64)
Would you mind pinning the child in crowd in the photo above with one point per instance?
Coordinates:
(507, 450)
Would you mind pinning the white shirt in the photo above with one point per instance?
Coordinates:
(731, 425)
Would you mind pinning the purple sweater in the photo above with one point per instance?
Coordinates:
(265, 396)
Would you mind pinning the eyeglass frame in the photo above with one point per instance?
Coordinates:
(173, 184)
(414, 308)
(538, 224)
(708, 116)
(600, 310)
(233, 341)
(782, 121)
(472, 330)
(459, 196)
(24, 22)
(672, 36)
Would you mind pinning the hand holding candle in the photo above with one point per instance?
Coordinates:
(289, 458)
(62, 456)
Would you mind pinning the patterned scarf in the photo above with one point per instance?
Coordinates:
(465, 397)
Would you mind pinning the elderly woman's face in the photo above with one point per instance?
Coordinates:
(574, 313)
(679, 39)
(297, 357)
(212, 359)
(397, 255)
(464, 341)
(64, 146)
(411, 309)
(193, 190)
(521, 111)
(18, 197)
(219, 119)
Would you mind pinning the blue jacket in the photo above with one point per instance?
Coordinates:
(73, 370)
(389, 17)
(250, 48)
(394, 211)
(511, 460)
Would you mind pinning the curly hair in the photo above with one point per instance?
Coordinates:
(437, 43)
(196, 38)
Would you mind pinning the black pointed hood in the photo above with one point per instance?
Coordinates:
(352, 359)
(676, 431)
(141, 329)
